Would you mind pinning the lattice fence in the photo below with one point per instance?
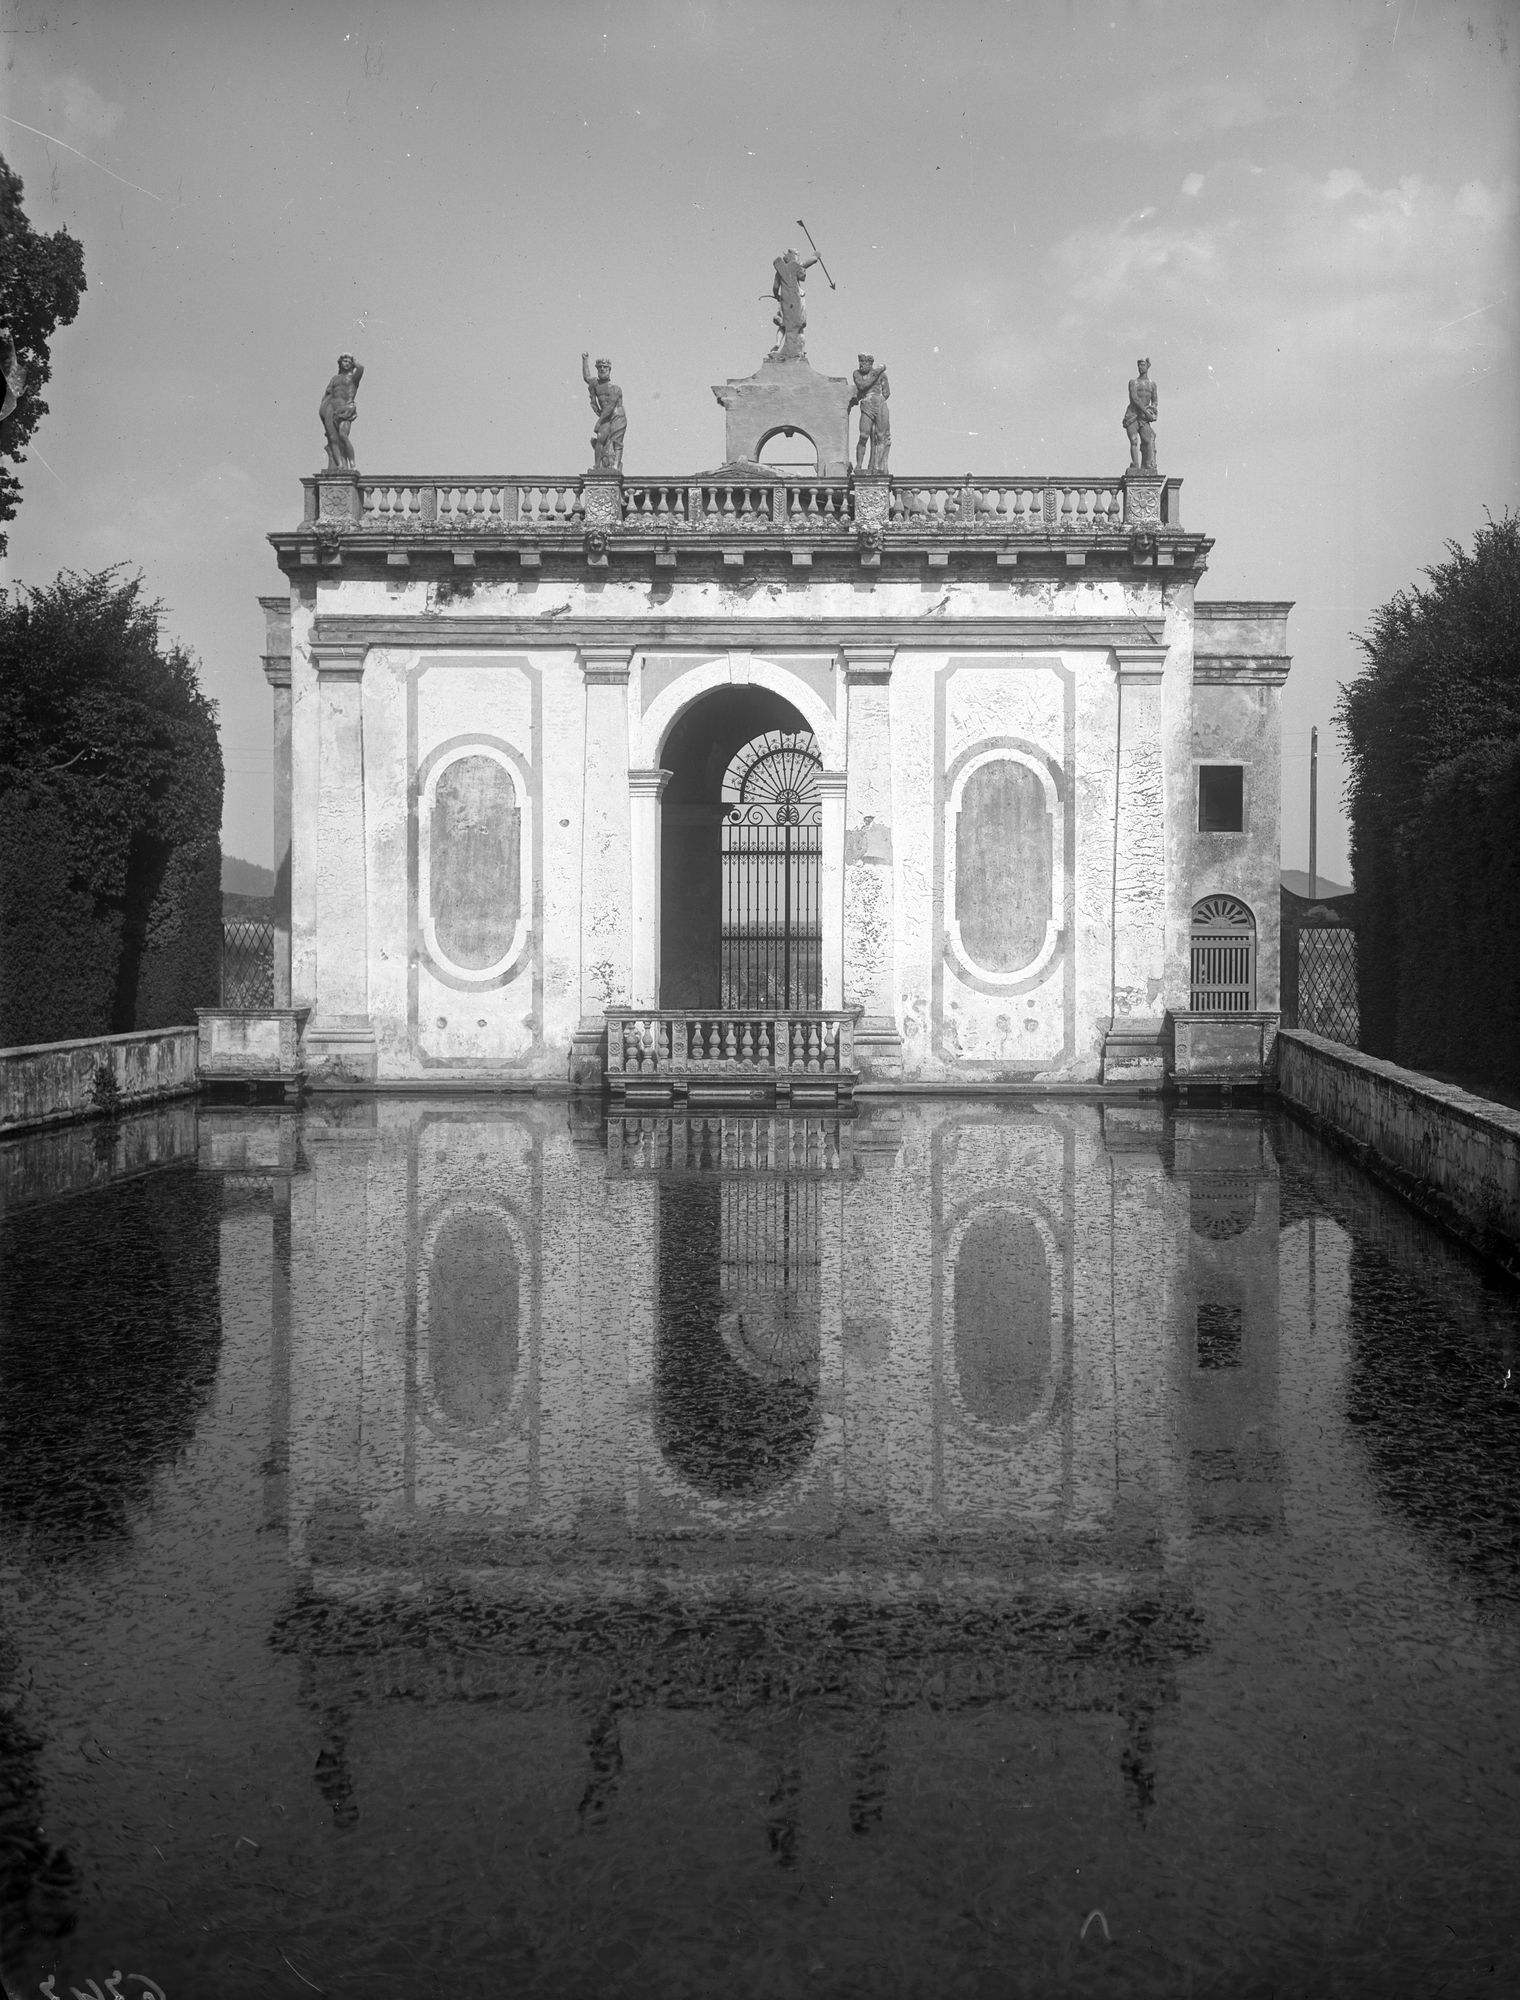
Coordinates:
(1327, 998)
(247, 962)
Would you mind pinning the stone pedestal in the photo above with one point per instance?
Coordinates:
(788, 397)
(870, 938)
(873, 509)
(602, 513)
(1142, 500)
(253, 1043)
(338, 498)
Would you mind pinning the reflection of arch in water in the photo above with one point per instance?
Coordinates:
(1004, 1320)
(1220, 1206)
(471, 1320)
(737, 1344)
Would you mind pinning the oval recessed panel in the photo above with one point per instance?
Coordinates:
(472, 1330)
(474, 862)
(1003, 864)
(1002, 1318)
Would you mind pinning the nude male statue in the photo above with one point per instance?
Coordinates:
(871, 392)
(1140, 420)
(337, 409)
(791, 314)
(611, 417)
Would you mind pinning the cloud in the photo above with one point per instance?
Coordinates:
(1138, 255)
(74, 102)
(1193, 185)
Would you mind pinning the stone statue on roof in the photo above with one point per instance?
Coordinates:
(870, 390)
(611, 417)
(337, 409)
(1140, 420)
(791, 313)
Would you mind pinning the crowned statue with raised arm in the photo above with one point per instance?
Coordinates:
(611, 417)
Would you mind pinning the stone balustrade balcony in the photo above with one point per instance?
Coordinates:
(595, 517)
(723, 1055)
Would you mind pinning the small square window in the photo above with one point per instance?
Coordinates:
(1220, 1333)
(1221, 798)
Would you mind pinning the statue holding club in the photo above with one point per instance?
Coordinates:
(611, 417)
(786, 290)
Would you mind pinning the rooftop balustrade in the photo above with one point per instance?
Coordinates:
(358, 512)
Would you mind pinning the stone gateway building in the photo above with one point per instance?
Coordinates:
(767, 781)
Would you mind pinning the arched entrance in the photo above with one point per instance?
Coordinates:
(740, 839)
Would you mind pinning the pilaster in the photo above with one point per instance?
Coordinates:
(645, 791)
(277, 673)
(1133, 1049)
(869, 943)
(606, 861)
(340, 1041)
(832, 787)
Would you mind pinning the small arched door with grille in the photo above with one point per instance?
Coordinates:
(772, 859)
(1223, 977)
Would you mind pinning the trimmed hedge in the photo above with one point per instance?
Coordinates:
(1429, 729)
(110, 816)
(1458, 994)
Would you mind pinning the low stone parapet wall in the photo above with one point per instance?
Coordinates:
(1453, 1155)
(51, 1082)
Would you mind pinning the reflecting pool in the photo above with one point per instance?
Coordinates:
(1032, 1547)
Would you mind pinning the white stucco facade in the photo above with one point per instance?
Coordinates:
(539, 680)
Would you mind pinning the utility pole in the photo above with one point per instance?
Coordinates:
(1314, 815)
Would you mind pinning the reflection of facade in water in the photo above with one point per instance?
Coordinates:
(883, 1377)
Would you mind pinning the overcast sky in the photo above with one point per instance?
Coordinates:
(1306, 214)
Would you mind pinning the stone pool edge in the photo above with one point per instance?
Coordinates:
(1453, 1156)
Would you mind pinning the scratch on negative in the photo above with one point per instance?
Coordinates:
(54, 141)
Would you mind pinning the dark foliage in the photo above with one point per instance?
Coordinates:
(109, 1339)
(1442, 685)
(1459, 940)
(41, 278)
(110, 816)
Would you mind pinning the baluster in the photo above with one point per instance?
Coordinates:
(728, 1041)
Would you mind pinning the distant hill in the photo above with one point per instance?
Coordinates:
(1297, 879)
(245, 878)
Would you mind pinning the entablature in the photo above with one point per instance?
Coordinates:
(342, 632)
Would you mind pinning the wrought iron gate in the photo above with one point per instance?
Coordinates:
(1319, 972)
(772, 835)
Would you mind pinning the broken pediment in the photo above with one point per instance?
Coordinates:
(792, 399)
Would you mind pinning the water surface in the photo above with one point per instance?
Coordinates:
(1019, 1548)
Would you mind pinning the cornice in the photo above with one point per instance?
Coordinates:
(1241, 670)
(604, 639)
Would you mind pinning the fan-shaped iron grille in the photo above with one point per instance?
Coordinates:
(1224, 957)
(772, 852)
